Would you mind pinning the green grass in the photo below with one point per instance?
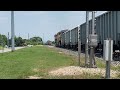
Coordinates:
(37, 60)
(1, 47)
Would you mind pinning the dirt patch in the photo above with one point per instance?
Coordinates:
(60, 52)
(34, 77)
(36, 70)
(75, 70)
(51, 46)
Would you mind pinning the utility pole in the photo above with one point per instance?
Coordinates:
(43, 38)
(87, 32)
(12, 31)
(108, 55)
(79, 45)
(93, 22)
(93, 42)
(28, 36)
(8, 40)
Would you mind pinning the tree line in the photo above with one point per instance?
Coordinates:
(19, 41)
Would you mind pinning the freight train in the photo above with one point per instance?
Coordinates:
(107, 25)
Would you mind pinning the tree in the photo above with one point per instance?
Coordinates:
(19, 41)
(36, 40)
(3, 40)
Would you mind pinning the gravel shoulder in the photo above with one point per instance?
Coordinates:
(76, 70)
(75, 53)
(9, 49)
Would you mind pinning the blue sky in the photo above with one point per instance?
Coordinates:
(41, 23)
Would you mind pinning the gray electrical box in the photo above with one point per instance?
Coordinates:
(93, 40)
(108, 50)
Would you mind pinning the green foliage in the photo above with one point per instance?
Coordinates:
(53, 42)
(24, 42)
(3, 40)
(37, 60)
(19, 41)
(34, 41)
(1, 47)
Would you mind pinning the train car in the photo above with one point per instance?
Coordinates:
(67, 39)
(63, 39)
(83, 36)
(60, 39)
(74, 38)
(56, 41)
(107, 26)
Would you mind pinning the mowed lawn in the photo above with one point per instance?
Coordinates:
(37, 60)
(0, 47)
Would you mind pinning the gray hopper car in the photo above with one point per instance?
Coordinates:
(63, 39)
(74, 38)
(67, 39)
(107, 25)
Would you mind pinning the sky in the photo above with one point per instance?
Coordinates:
(41, 23)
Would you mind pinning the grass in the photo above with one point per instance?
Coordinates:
(82, 76)
(1, 47)
(37, 60)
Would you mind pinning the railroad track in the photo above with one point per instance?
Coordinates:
(75, 53)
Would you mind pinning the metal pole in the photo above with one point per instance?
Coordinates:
(79, 51)
(8, 40)
(92, 58)
(79, 45)
(43, 38)
(28, 36)
(93, 22)
(108, 69)
(87, 32)
(108, 62)
(12, 30)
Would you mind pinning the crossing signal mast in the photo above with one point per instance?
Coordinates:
(91, 41)
(87, 33)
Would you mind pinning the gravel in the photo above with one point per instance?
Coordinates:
(75, 53)
(76, 70)
(9, 49)
(34, 77)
